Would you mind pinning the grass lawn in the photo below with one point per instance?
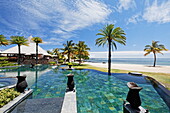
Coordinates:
(163, 78)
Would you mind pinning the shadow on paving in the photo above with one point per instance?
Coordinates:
(46, 105)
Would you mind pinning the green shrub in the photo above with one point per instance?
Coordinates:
(52, 62)
(3, 58)
(4, 62)
(6, 95)
(72, 64)
(61, 61)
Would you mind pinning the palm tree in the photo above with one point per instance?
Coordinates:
(69, 48)
(110, 36)
(37, 40)
(19, 40)
(3, 40)
(154, 48)
(82, 50)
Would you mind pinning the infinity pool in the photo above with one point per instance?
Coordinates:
(96, 91)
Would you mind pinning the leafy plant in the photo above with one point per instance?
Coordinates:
(70, 64)
(61, 61)
(3, 58)
(52, 62)
(6, 95)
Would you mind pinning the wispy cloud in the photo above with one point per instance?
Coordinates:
(125, 5)
(53, 41)
(135, 19)
(158, 13)
(61, 18)
(83, 13)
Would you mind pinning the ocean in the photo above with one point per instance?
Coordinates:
(142, 61)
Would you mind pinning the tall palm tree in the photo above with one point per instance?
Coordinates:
(57, 52)
(154, 48)
(82, 50)
(3, 40)
(37, 40)
(68, 49)
(19, 40)
(110, 36)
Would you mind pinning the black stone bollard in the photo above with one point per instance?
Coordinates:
(21, 84)
(70, 82)
(133, 95)
(69, 66)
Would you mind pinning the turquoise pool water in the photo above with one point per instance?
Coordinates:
(96, 91)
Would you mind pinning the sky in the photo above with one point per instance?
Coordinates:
(58, 21)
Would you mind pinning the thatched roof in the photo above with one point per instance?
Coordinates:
(27, 50)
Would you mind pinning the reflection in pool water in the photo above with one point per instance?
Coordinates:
(96, 91)
(7, 82)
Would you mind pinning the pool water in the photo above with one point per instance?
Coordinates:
(99, 93)
(50, 85)
(96, 91)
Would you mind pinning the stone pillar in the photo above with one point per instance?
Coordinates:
(21, 84)
(134, 102)
(133, 95)
(70, 82)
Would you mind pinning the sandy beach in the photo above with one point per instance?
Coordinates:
(134, 67)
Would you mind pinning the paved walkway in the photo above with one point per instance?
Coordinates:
(70, 103)
(45, 105)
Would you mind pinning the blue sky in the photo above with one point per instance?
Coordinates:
(57, 21)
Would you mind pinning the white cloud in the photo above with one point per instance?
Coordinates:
(85, 13)
(52, 43)
(126, 4)
(60, 17)
(134, 19)
(158, 13)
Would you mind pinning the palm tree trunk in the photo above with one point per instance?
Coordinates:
(109, 58)
(68, 56)
(79, 58)
(36, 53)
(19, 55)
(154, 59)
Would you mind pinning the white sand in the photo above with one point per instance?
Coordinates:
(134, 67)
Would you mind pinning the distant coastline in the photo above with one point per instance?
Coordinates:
(140, 61)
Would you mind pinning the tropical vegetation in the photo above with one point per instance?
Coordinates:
(154, 48)
(6, 95)
(68, 49)
(111, 36)
(3, 40)
(19, 40)
(37, 40)
(76, 52)
(81, 50)
(4, 62)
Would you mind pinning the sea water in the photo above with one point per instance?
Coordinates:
(142, 61)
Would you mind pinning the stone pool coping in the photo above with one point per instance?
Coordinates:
(12, 104)
(9, 67)
(11, 86)
(70, 102)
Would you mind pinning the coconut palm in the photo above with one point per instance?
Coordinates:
(81, 50)
(19, 40)
(37, 40)
(110, 36)
(68, 49)
(3, 40)
(154, 48)
(57, 52)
